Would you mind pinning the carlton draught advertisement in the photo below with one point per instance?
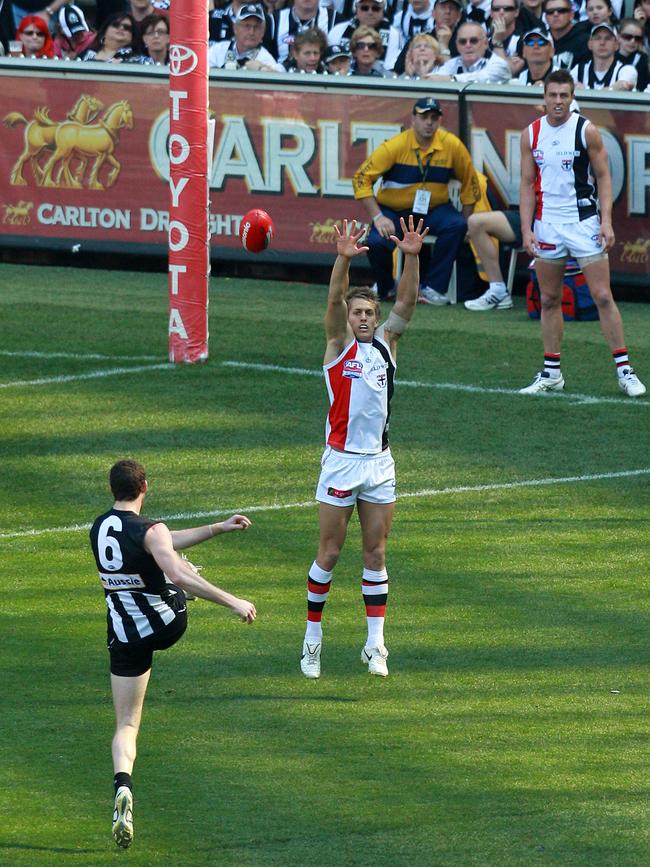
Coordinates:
(87, 160)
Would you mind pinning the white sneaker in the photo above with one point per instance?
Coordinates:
(427, 295)
(310, 659)
(123, 817)
(543, 382)
(490, 301)
(630, 383)
(375, 659)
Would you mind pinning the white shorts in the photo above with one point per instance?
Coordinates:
(345, 477)
(559, 240)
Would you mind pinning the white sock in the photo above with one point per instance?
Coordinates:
(314, 632)
(498, 288)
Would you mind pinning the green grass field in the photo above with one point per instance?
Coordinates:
(513, 728)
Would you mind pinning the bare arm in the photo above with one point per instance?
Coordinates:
(527, 194)
(337, 330)
(384, 225)
(600, 168)
(158, 542)
(407, 289)
(182, 539)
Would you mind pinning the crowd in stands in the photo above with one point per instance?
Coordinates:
(490, 41)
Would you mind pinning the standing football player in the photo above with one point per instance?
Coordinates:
(357, 466)
(136, 558)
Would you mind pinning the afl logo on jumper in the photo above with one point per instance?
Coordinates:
(538, 156)
(182, 60)
(352, 368)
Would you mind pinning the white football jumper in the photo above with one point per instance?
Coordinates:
(360, 387)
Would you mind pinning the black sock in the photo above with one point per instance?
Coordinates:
(122, 779)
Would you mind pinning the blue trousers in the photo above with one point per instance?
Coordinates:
(445, 222)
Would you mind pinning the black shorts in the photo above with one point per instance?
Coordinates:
(514, 220)
(135, 658)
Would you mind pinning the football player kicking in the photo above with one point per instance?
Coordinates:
(136, 559)
(357, 466)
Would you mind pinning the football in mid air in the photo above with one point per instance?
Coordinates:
(256, 231)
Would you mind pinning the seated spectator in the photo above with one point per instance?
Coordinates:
(289, 22)
(415, 168)
(34, 34)
(538, 53)
(446, 20)
(337, 60)
(72, 35)
(155, 35)
(368, 12)
(366, 49)
(483, 229)
(222, 18)
(272, 6)
(616, 7)
(598, 12)
(642, 14)
(307, 52)
(603, 69)
(478, 11)
(476, 62)
(502, 24)
(415, 17)
(423, 57)
(570, 43)
(245, 49)
(630, 50)
(141, 9)
(117, 40)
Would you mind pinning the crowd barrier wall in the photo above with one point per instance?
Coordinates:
(84, 165)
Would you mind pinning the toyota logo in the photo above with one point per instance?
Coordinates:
(182, 60)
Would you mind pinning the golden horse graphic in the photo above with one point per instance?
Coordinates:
(324, 233)
(636, 251)
(97, 140)
(40, 133)
(17, 215)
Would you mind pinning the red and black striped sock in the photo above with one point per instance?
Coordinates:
(552, 363)
(374, 587)
(318, 588)
(621, 359)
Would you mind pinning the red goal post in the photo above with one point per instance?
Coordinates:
(189, 200)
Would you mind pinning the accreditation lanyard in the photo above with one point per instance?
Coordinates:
(422, 197)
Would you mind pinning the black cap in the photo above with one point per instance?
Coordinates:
(71, 20)
(334, 51)
(427, 104)
(250, 10)
(539, 31)
(604, 25)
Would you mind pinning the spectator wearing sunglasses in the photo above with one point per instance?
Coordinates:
(504, 32)
(603, 70)
(475, 61)
(630, 50)
(570, 42)
(538, 53)
(117, 40)
(366, 50)
(34, 34)
(371, 13)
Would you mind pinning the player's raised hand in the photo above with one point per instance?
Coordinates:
(347, 241)
(412, 236)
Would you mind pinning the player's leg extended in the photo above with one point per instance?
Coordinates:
(333, 522)
(128, 698)
(550, 276)
(483, 229)
(375, 520)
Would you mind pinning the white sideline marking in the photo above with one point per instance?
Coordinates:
(82, 356)
(433, 492)
(96, 374)
(450, 386)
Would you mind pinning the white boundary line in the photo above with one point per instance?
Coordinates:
(83, 356)
(432, 492)
(578, 399)
(95, 374)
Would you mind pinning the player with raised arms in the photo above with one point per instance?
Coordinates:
(136, 559)
(357, 467)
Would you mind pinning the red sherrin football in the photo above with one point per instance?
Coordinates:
(256, 231)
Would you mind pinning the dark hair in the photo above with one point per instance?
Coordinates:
(136, 38)
(560, 76)
(126, 479)
(151, 21)
(313, 36)
(567, 4)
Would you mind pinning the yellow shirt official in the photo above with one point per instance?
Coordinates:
(405, 167)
